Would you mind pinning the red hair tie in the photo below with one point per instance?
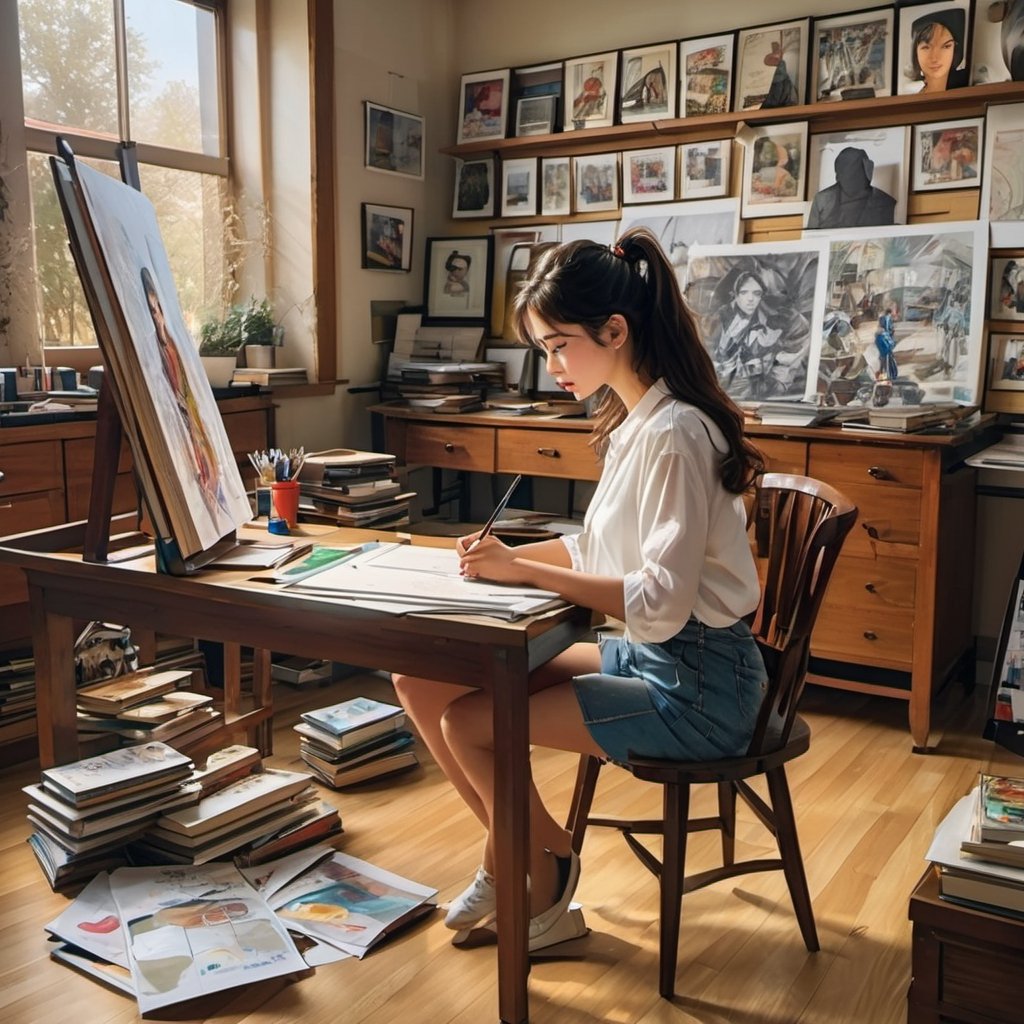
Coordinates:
(617, 250)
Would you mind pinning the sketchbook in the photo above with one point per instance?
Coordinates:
(402, 579)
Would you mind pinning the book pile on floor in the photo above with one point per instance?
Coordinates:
(85, 812)
(979, 847)
(148, 704)
(166, 935)
(354, 488)
(250, 816)
(356, 740)
(18, 690)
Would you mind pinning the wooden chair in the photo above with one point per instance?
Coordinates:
(799, 525)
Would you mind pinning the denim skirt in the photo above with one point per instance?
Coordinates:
(695, 697)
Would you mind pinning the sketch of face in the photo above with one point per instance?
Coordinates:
(934, 51)
(748, 295)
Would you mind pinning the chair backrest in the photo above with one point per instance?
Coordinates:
(799, 527)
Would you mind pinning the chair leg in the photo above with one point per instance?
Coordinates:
(673, 860)
(792, 861)
(582, 798)
(727, 812)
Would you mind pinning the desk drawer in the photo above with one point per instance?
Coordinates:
(18, 514)
(783, 456)
(882, 636)
(449, 446)
(32, 466)
(559, 453)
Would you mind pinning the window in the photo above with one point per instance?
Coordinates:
(150, 73)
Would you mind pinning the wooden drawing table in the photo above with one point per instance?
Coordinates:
(229, 606)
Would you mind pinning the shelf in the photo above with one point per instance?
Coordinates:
(967, 102)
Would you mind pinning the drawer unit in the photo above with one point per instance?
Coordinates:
(451, 447)
(20, 513)
(782, 455)
(883, 637)
(31, 466)
(557, 453)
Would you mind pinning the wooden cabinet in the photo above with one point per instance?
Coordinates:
(47, 479)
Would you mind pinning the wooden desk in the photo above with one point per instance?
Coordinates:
(966, 963)
(229, 607)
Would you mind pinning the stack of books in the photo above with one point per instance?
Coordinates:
(18, 690)
(148, 704)
(355, 740)
(449, 386)
(260, 812)
(85, 812)
(354, 488)
(906, 419)
(270, 376)
(979, 847)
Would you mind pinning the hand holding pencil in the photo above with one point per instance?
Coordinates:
(493, 518)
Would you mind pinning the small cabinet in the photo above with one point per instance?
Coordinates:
(450, 447)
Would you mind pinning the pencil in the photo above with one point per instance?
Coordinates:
(498, 509)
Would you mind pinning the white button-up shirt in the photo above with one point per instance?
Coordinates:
(662, 520)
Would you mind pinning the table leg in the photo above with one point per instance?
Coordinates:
(511, 832)
(53, 646)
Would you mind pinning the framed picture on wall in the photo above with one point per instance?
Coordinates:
(535, 115)
(1002, 183)
(519, 187)
(851, 55)
(649, 175)
(947, 154)
(1006, 363)
(705, 74)
(922, 27)
(704, 169)
(474, 188)
(458, 279)
(589, 91)
(555, 186)
(1006, 289)
(483, 106)
(775, 170)
(394, 141)
(597, 182)
(997, 42)
(771, 65)
(647, 83)
(387, 237)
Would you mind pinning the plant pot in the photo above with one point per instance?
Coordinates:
(259, 356)
(219, 370)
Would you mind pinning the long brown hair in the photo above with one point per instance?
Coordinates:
(585, 283)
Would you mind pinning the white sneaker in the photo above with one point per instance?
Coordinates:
(476, 902)
(552, 919)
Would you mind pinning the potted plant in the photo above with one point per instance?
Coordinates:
(251, 326)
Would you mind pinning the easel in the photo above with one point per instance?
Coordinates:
(110, 431)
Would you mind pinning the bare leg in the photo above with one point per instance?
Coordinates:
(555, 721)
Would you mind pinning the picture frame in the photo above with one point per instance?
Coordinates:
(535, 115)
(705, 74)
(883, 188)
(596, 179)
(474, 188)
(536, 81)
(771, 65)
(947, 154)
(555, 186)
(519, 187)
(953, 16)
(1002, 183)
(705, 168)
(775, 170)
(930, 279)
(758, 308)
(679, 227)
(394, 141)
(647, 83)
(483, 106)
(387, 233)
(1006, 364)
(996, 35)
(649, 175)
(851, 55)
(1006, 289)
(506, 241)
(589, 91)
(458, 279)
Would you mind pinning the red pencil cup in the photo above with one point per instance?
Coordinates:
(284, 498)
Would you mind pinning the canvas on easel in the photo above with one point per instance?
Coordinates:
(190, 480)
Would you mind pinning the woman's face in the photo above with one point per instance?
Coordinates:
(578, 363)
(748, 296)
(935, 56)
(457, 269)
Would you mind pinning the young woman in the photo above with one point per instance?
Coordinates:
(937, 50)
(663, 555)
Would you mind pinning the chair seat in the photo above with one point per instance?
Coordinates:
(728, 769)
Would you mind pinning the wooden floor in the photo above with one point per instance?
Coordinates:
(866, 808)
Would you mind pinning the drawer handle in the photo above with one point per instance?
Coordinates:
(449, 447)
(872, 589)
(550, 453)
(7, 506)
(870, 634)
(879, 472)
